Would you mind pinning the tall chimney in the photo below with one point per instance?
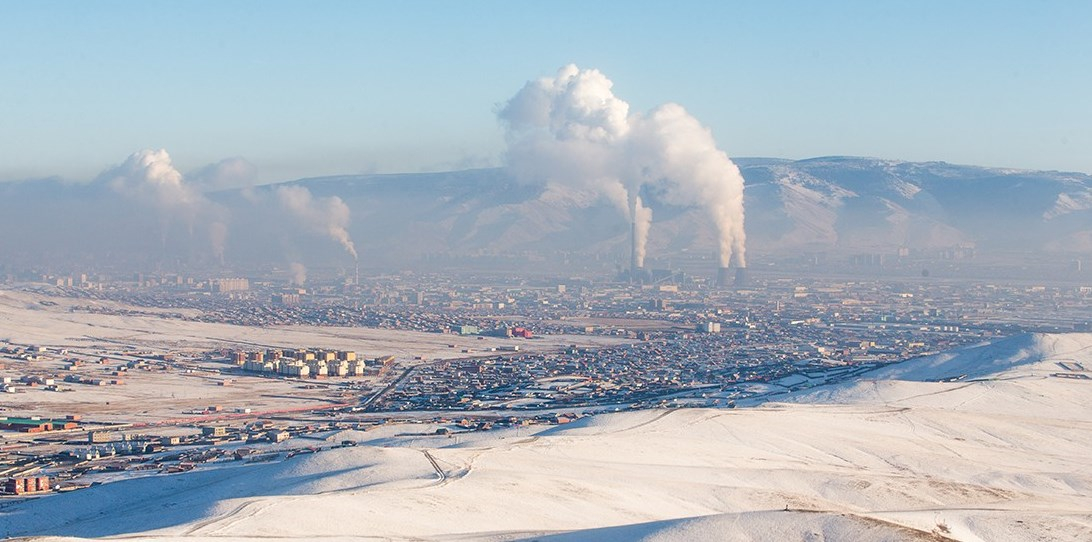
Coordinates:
(724, 277)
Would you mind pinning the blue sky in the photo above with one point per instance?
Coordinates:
(315, 88)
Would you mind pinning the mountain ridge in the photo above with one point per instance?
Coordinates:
(837, 204)
(822, 203)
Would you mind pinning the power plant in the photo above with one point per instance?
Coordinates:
(552, 128)
(727, 278)
(724, 276)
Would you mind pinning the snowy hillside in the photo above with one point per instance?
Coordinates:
(1006, 357)
(1002, 377)
(999, 455)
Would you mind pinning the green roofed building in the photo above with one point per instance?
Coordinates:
(36, 425)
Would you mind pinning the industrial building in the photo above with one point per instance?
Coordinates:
(37, 425)
(26, 485)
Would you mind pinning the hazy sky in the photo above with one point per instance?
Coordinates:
(314, 88)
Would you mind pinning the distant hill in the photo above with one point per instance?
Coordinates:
(833, 204)
(861, 202)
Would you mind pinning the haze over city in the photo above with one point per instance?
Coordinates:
(555, 271)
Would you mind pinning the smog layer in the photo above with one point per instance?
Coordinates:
(584, 177)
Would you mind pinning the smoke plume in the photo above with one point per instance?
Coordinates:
(642, 221)
(226, 174)
(218, 237)
(327, 216)
(149, 179)
(299, 273)
(571, 130)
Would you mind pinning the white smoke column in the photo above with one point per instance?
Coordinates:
(235, 172)
(571, 130)
(566, 130)
(299, 273)
(328, 216)
(642, 222)
(671, 144)
(218, 237)
(149, 178)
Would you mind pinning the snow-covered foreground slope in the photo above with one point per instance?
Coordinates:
(1012, 356)
(1002, 454)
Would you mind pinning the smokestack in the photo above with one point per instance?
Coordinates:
(633, 252)
(741, 277)
(724, 277)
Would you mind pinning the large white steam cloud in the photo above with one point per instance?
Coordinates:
(642, 221)
(235, 172)
(149, 178)
(572, 130)
(328, 216)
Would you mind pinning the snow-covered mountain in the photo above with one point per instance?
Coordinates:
(861, 202)
(834, 204)
(821, 204)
